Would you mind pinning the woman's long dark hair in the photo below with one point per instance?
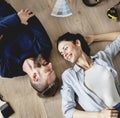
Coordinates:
(73, 37)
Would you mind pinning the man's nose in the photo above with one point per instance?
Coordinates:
(48, 67)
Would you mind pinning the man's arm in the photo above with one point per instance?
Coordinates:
(102, 37)
(8, 21)
(24, 15)
(15, 19)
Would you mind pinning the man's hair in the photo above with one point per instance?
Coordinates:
(37, 62)
(47, 91)
(38, 87)
(73, 37)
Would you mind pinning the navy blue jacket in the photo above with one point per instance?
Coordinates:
(20, 42)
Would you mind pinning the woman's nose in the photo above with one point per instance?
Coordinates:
(65, 54)
(50, 65)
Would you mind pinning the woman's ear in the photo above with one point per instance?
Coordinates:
(35, 78)
(78, 42)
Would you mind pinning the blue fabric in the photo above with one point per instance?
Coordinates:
(19, 41)
(117, 107)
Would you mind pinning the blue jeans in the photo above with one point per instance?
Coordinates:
(118, 108)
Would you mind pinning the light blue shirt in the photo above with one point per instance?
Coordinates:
(73, 87)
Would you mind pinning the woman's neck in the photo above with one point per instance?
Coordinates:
(84, 62)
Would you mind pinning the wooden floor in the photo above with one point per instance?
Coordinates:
(84, 20)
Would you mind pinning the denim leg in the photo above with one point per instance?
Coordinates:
(118, 108)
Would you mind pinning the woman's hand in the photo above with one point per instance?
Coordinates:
(24, 15)
(89, 39)
(109, 113)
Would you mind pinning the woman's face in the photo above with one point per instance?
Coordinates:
(70, 51)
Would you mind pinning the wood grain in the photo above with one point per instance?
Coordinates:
(86, 20)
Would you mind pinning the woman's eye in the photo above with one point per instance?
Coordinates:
(61, 54)
(66, 48)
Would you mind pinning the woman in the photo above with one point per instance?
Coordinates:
(92, 81)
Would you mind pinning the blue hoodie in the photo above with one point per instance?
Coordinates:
(19, 41)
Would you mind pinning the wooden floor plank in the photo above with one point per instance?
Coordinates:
(85, 20)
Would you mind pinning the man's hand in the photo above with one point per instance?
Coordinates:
(109, 113)
(24, 15)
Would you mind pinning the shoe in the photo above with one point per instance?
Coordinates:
(1, 97)
(5, 108)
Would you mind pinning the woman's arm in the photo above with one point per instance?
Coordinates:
(106, 113)
(83, 114)
(102, 37)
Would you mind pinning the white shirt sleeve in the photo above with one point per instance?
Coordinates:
(113, 49)
(68, 97)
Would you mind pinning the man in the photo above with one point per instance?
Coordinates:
(92, 82)
(23, 38)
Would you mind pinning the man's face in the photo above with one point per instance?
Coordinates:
(69, 50)
(45, 73)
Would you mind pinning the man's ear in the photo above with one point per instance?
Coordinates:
(35, 78)
(78, 42)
